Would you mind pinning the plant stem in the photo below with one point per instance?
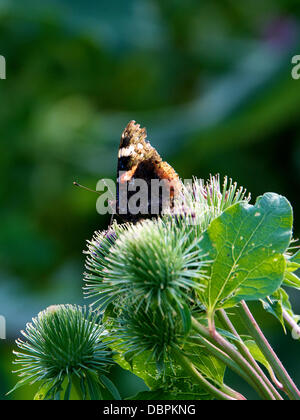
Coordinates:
(223, 357)
(226, 322)
(260, 385)
(253, 328)
(225, 394)
(291, 323)
(231, 392)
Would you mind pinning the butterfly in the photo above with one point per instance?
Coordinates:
(139, 161)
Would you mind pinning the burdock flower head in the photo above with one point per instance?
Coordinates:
(138, 330)
(200, 202)
(63, 344)
(152, 262)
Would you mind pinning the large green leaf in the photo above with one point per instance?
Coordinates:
(173, 380)
(246, 244)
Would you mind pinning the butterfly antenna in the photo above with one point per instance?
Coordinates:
(86, 188)
(97, 192)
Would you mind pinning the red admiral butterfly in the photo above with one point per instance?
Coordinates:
(138, 160)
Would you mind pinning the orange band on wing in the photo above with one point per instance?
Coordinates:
(127, 175)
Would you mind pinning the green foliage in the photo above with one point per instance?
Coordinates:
(172, 381)
(246, 244)
(149, 280)
(258, 355)
(157, 283)
(279, 302)
(292, 265)
(211, 252)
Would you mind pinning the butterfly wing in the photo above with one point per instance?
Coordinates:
(137, 159)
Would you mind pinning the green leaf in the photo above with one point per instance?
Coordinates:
(277, 303)
(110, 386)
(246, 244)
(292, 264)
(258, 355)
(173, 379)
(287, 306)
(291, 280)
(273, 305)
(209, 366)
(41, 394)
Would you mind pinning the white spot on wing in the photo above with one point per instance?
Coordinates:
(126, 151)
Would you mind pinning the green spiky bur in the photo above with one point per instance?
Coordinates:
(64, 342)
(201, 202)
(143, 330)
(154, 261)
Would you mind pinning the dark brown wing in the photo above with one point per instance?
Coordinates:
(137, 159)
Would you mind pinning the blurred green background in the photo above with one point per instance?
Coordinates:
(210, 80)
